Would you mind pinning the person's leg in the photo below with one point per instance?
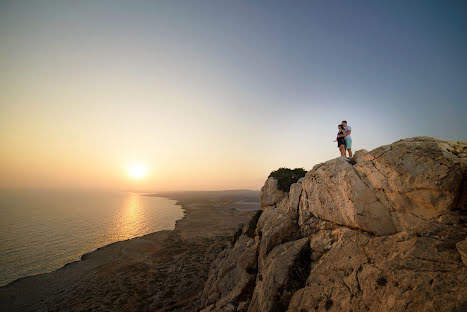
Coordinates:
(348, 146)
(342, 150)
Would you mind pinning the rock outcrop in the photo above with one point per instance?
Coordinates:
(270, 193)
(384, 231)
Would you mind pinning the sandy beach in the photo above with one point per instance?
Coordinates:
(162, 271)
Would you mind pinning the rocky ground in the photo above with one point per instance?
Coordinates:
(162, 271)
(383, 231)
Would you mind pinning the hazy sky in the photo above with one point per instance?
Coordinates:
(216, 94)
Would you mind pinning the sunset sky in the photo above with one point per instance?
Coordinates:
(216, 94)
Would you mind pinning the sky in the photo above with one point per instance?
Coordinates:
(211, 95)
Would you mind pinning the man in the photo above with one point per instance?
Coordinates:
(348, 138)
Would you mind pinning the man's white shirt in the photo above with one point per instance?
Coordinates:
(347, 129)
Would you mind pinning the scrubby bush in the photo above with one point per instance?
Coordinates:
(250, 232)
(286, 177)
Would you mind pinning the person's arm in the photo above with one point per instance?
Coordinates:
(348, 132)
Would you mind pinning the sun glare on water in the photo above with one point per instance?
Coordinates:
(137, 171)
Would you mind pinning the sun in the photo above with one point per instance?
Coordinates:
(137, 171)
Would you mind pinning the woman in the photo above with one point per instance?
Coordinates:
(341, 139)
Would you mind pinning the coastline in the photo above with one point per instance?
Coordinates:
(44, 230)
(157, 271)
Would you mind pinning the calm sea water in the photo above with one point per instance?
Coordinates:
(40, 231)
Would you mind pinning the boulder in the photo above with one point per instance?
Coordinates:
(387, 190)
(270, 193)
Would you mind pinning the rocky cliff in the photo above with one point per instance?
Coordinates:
(384, 231)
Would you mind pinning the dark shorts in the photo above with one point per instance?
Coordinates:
(340, 141)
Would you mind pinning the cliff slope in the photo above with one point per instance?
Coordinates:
(384, 231)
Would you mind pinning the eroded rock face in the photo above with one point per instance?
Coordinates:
(285, 271)
(389, 189)
(279, 224)
(385, 231)
(402, 272)
(231, 277)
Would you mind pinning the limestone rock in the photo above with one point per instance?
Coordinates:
(290, 205)
(270, 193)
(285, 271)
(462, 249)
(402, 272)
(279, 225)
(384, 231)
(389, 189)
(231, 275)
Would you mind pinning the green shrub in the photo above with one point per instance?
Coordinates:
(286, 177)
(250, 232)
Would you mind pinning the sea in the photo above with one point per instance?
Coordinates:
(42, 230)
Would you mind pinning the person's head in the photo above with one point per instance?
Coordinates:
(344, 123)
(340, 127)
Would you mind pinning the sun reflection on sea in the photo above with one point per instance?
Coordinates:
(130, 221)
(41, 230)
(137, 215)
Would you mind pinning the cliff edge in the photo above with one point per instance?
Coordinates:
(384, 231)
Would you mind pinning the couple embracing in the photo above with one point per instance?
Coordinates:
(344, 140)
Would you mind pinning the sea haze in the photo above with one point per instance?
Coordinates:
(40, 231)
